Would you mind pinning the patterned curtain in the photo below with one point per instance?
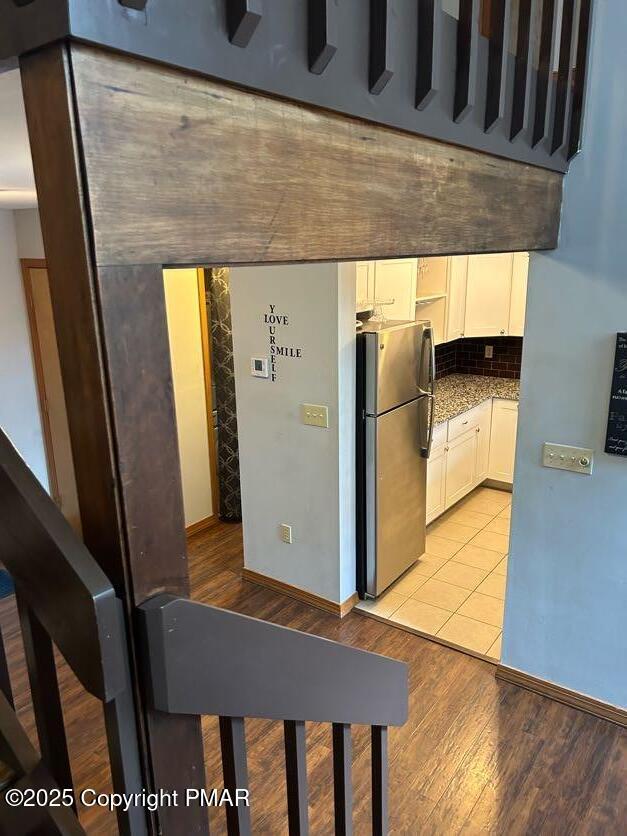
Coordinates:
(217, 284)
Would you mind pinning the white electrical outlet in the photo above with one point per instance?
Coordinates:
(286, 533)
(489, 352)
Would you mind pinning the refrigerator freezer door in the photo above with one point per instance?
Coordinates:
(393, 363)
(396, 494)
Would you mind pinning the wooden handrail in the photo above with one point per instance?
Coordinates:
(205, 660)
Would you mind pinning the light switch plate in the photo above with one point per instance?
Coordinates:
(563, 457)
(315, 415)
(286, 533)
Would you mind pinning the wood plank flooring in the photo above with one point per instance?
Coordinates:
(476, 756)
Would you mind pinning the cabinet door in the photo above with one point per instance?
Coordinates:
(483, 428)
(488, 294)
(518, 303)
(364, 277)
(503, 440)
(461, 456)
(456, 297)
(396, 280)
(436, 482)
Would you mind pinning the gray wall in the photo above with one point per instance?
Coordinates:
(19, 406)
(566, 609)
(290, 473)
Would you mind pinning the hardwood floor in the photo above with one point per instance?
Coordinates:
(476, 756)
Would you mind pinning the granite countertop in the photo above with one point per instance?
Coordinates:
(458, 393)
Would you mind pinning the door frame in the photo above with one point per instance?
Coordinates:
(27, 265)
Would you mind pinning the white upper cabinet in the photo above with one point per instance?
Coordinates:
(364, 276)
(395, 287)
(456, 301)
(518, 304)
(488, 295)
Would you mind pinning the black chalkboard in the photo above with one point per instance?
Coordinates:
(616, 442)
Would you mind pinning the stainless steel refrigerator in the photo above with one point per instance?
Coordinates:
(395, 403)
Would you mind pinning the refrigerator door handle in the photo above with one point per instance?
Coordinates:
(425, 451)
(428, 335)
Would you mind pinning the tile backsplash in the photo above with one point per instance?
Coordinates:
(467, 356)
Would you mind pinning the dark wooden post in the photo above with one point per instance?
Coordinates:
(113, 345)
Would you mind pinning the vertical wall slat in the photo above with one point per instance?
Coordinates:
(466, 62)
(579, 80)
(235, 771)
(44, 686)
(428, 62)
(544, 70)
(563, 75)
(242, 19)
(380, 70)
(296, 777)
(322, 34)
(522, 70)
(379, 762)
(342, 779)
(497, 63)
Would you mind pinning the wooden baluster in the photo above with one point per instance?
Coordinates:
(342, 780)
(5, 679)
(44, 686)
(466, 62)
(379, 737)
(497, 63)
(563, 74)
(235, 771)
(296, 775)
(544, 70)
(522, 67)
(428, 64)
(579, 82)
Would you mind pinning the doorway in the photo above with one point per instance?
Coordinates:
(59, 461)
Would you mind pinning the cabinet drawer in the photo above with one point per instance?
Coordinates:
(439, 435)
(467, 420)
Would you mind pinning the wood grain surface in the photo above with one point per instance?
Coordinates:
(182, 170)
(476, 755)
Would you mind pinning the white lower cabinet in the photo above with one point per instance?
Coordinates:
(436, 483)
(480, 445)
(461, 455)
(503, 440)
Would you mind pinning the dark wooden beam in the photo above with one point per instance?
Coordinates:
(466, 60)
(115, 363)
(339, 189)
(429, 55)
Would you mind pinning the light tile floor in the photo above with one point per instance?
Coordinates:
(455, 593)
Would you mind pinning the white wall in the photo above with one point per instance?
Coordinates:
(566, 607)
(291, 473)
(188, 375)
(19, 408)
(28, 231)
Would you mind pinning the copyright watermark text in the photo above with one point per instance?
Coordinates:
(151, 801)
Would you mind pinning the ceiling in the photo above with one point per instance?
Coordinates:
(17, 182)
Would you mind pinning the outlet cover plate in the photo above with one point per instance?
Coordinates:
(315, 415)
(564, 457)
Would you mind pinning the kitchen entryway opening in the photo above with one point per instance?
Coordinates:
(293, 383)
